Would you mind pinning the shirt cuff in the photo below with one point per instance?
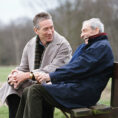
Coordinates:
(52, 77)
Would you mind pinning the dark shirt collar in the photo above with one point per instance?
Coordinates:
(39, 41)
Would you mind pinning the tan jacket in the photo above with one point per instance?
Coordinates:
(56, 54)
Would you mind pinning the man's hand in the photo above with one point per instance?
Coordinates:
(42, 77)
(11, 78)
(21, 77)
(16, 77)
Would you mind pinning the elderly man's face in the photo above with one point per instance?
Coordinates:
(45, 31)
(87, 31)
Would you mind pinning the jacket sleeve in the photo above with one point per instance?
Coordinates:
(62, 57)
(85, 65)
(24, 65)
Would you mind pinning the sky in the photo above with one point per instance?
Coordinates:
(14, 9)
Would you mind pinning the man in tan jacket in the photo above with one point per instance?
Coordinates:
(43, 53)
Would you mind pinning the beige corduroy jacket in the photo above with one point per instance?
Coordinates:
(56, 54)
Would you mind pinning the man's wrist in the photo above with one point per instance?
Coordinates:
(28, 75)
(48, 78)
(32, 76)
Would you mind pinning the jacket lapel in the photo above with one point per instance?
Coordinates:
(31, 55)
(51, 50)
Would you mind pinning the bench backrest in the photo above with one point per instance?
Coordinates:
(114, 86)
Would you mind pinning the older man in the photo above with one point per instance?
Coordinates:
(43, 53)
(77, 84)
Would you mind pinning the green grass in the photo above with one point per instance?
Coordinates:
(3, 112)
(105, 97)
(4, 71)
(58, 114)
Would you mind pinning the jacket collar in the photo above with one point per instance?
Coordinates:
(100, 36)
(56, 38)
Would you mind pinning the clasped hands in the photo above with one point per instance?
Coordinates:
(15, 78)
(41, 77)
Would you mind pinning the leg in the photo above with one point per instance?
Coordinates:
(48, 110)
(39, 103)
(23, 101)
(36, 105)
(13, 103)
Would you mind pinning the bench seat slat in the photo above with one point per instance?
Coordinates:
(81, 112)
(94, 110)
(101, 109)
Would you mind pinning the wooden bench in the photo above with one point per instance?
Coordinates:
(100, 110)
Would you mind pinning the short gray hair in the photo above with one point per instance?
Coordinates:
(95, 23)
(40, 17)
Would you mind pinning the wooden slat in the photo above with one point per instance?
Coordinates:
(81, 112)
(112, 114)
(101, 109)
(114, 88)
(94, 110)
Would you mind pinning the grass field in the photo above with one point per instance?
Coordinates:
(4, 71)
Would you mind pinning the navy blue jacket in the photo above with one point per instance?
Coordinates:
(80, 82)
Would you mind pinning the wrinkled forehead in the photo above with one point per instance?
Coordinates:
(47, 22)
(85, 25)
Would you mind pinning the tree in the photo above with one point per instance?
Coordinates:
(68, 16)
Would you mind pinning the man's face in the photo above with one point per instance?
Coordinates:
(87, 31)
(45, 31)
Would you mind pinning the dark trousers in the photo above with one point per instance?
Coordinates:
(13, 103)
(36, 103)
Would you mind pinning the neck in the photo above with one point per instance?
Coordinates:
(43, 42)
(86, 41)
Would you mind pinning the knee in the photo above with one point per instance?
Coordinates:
(12, 100)
(25, 92)
(34, 88)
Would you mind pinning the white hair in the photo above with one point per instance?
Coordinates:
(95, 23)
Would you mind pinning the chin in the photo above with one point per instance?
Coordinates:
(49, 40)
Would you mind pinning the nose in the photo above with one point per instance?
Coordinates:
(49, 31)
(82, 35)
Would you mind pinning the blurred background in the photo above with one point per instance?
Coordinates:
(16, 29)
(16, 26)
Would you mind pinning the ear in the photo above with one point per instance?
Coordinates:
(36, 30)
(97, 30)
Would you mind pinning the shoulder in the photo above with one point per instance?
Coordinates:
(31, 42)
(59, 39)
(98, 48)
(101, 44)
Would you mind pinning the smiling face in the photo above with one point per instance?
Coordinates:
(45, 31)
(87, 31)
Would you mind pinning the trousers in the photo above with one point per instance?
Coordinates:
(36, 102)
(13, 103)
